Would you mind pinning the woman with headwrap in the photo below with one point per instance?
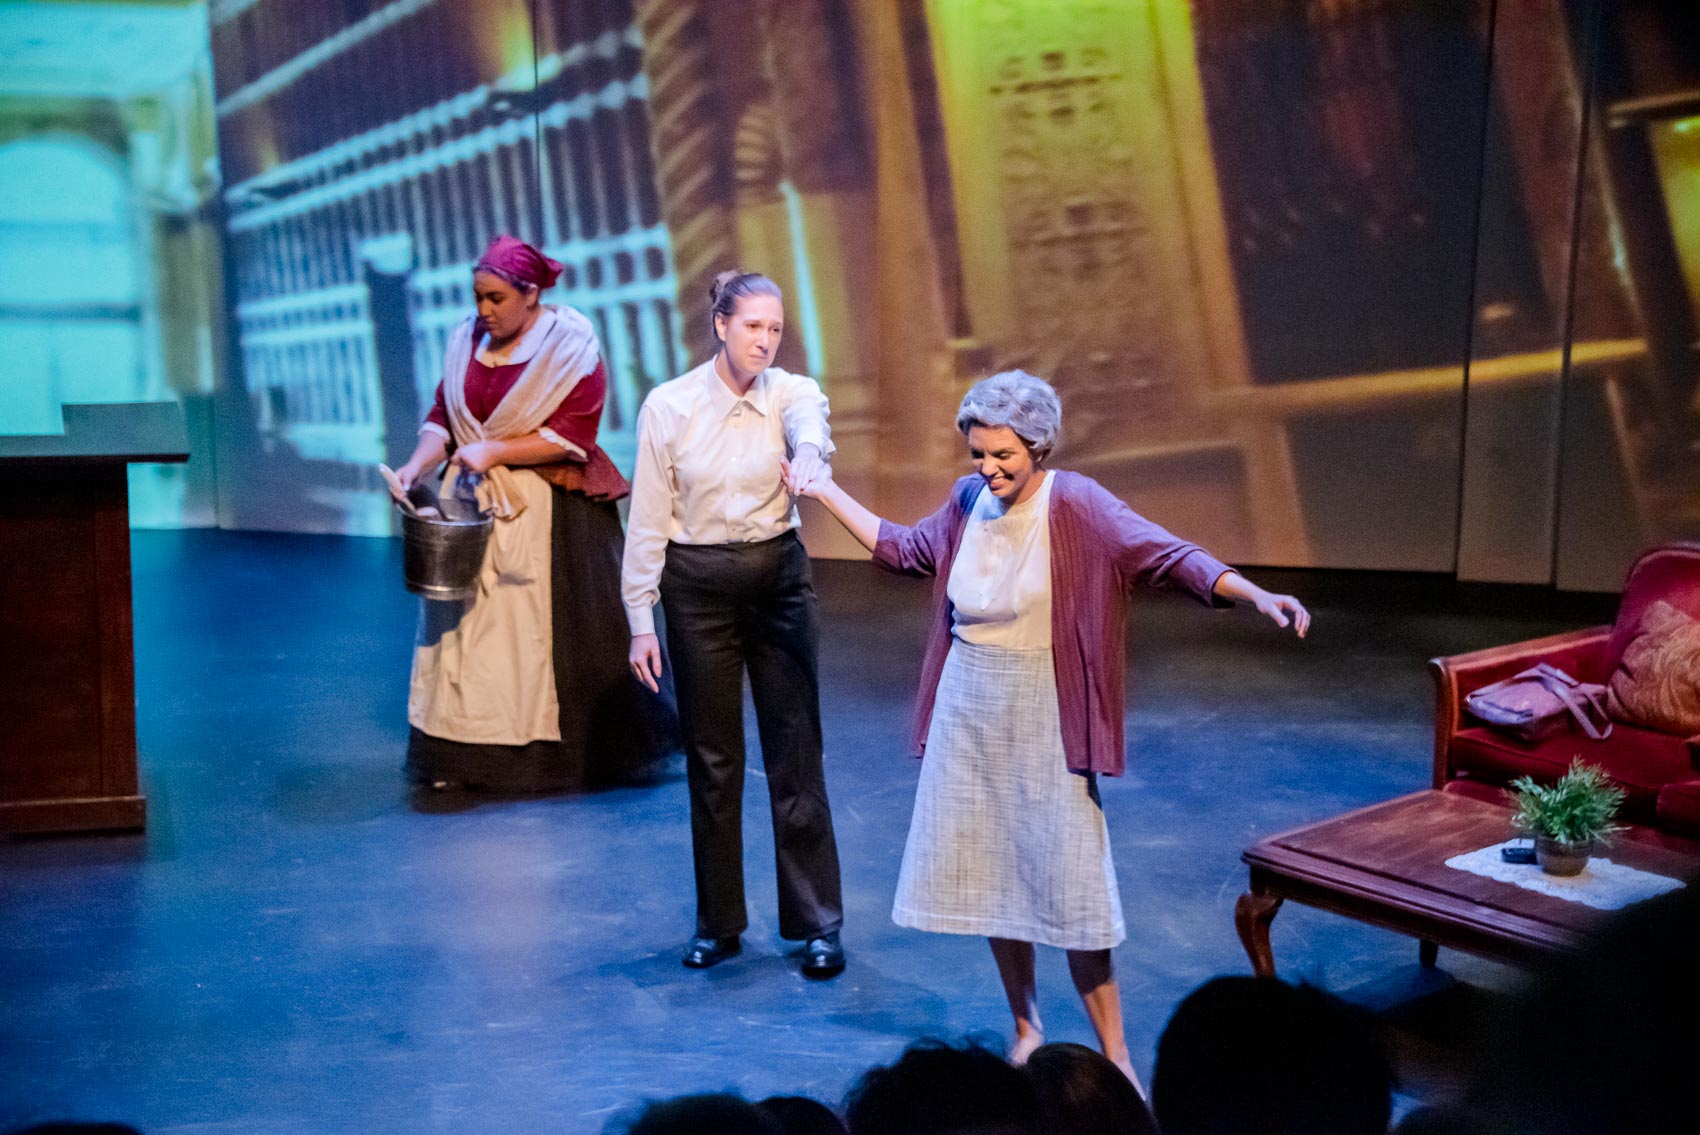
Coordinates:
(525, 688)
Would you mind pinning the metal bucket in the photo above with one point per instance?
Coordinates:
(441, 559)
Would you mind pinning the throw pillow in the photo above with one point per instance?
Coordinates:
(1657, 684)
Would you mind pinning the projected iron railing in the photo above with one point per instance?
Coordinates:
(564, 161)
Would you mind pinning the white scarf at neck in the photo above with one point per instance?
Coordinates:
(567, 352)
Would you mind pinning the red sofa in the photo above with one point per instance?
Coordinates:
(1659, 772)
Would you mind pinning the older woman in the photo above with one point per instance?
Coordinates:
(524, 688)
(1021, 698)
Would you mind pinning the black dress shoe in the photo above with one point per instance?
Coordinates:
(705, 952)
(823, 956)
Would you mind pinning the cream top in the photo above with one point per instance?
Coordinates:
(1000, 584)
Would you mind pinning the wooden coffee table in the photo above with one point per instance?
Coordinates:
(1386, 865)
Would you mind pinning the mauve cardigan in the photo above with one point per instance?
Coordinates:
(1100, 549)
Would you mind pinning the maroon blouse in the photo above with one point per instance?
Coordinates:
(576, 419)
(1100, 550)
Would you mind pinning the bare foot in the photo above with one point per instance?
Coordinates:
(1025, 1044)
(1126, 1065)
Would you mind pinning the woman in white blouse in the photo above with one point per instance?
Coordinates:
(712, 537)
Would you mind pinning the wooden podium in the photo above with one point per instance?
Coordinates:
(67, 661)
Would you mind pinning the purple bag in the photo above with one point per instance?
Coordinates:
(1540, 702)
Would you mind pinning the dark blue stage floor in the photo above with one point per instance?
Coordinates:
(293, 947)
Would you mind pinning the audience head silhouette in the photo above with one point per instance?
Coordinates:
(800, 1115)
(937, 1089)
(1081, 1092)
(1606, 1040)
(719, 1113)
(1255, 1056)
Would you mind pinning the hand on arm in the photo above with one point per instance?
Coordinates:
(801, 471)
(857, 519)
(532, 449)
(1279, 609)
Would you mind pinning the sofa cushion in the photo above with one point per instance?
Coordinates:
(1679, 807)
(1671, 573)
(1640, 761)
(1657, 681)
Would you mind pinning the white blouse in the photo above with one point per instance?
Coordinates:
(1000, 584)
(708, 470)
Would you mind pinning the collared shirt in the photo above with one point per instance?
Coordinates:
(708, 470)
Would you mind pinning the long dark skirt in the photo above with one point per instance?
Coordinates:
(613, 730)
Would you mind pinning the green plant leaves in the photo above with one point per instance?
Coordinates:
(1576, 809)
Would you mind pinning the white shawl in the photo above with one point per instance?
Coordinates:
(568, 351)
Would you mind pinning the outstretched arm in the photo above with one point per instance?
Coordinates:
(1147, 553)
(1279, 609)
(817, 483)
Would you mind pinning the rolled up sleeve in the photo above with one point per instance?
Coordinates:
(805, 413)
(918, 549)
(1148, 554)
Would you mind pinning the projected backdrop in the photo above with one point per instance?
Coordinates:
(1367, 284)
(109, 235)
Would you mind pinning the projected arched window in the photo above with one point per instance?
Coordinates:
(70, 297)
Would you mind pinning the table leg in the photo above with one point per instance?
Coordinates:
(1253, 912)
(1428, 953)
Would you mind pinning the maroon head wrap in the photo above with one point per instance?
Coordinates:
(513, 258)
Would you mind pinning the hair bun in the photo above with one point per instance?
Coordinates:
(722, 281)
(732, 286)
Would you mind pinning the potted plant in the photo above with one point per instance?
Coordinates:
(1567, 818)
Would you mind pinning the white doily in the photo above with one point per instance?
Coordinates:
(1603, 885)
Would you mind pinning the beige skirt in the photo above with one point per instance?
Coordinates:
(1006, 842)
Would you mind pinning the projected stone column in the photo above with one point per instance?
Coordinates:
(690, 135)
(385, 265)
(819, 125)
(1092, 252)
(763, 222)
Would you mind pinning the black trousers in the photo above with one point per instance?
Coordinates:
(732, 608)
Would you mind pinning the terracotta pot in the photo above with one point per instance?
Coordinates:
(1558, 858)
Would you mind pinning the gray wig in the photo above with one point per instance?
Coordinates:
(1025, 403)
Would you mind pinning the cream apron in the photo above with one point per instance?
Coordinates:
(483, 670)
